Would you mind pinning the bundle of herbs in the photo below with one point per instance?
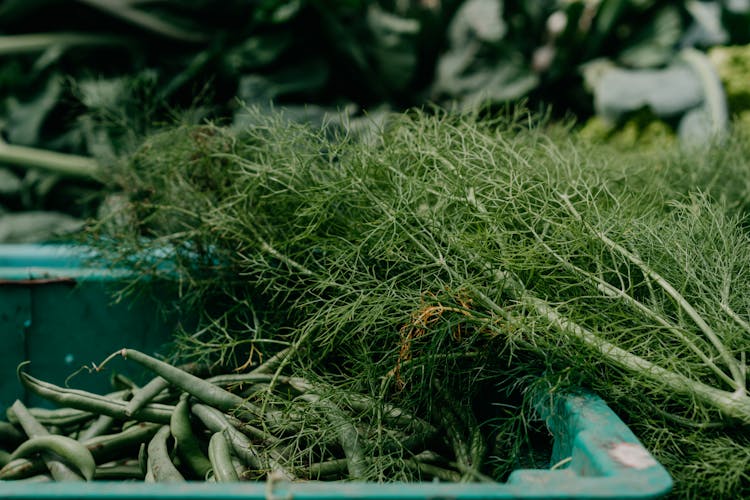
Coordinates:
(445, 258)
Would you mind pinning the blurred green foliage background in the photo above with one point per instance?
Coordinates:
(90, 77)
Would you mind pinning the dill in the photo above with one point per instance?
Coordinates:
(486, 256)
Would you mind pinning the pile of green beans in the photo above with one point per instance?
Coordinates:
(235, 427)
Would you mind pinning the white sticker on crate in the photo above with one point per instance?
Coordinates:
(632, 455)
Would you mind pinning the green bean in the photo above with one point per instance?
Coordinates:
(188, 447)
(270, 441)
(101, 425)
(363, 403)
(124, 382)
(39, 478)
(240, 378)
(66, 448)
(195, 386)
(26, 420)
(111, 446)
(118, 472)
(320, 470)
(252, 431)
(10, 435)
(221, 458)
(432, 470)
(216, 421)
(347, 433)
(104, 422)
(469, 454)
(103, 448)
(281, 422)
(201, 389)
(87, 401)
(159, 463)
(477, 451)
(412, 442)
(240, 468)
(33, 429)
(4, 458)
(428, 456)
(391, 414)
(145, 394)
(57, 430)
(272, 362)
(472, 473)
(143, 459)
(61, 417)
(21, 468)
(453, 432)
(423, 430)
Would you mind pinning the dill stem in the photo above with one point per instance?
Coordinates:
(730, 404)
(272, 362)
(612, 291)
(348, 436)
(735, 317)
(731, 362)
(266, 247)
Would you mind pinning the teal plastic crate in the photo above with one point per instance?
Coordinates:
(56, 311)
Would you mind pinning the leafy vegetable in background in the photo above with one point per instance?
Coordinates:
(179, 54)
(733, 67)
(112, 69)
(381, 253)
(467, 252)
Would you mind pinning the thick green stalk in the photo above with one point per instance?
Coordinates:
(617, 293)
(37, 42)
(737, 371)
(731, 404)
(59, 163)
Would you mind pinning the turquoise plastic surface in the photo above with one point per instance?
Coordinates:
(57, 312)
(596, 454)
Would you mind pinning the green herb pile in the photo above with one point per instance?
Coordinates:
(484, 256)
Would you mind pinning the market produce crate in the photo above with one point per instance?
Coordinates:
(57, 312)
